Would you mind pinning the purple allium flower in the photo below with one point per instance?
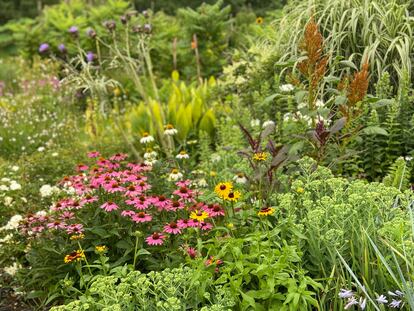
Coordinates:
(90, 57)
(91, 33)
(43, 48)
(382, 299)
(345, 293)
(73, 30)
(62, 48)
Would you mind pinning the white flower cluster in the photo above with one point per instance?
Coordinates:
(13, 223)
(9, 184)
(47, 191)
(12, 270)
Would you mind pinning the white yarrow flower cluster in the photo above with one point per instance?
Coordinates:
(13, 223)
(286, 88)
(268, 123)
(12, 270)
(47, 191)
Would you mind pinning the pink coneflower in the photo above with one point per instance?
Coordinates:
(67, 215)
(172, 228)
(76, 204)
(141, 217)
(161, 202)
(94, 154)
(82, 167)
(113, 187)
(184, 193)
(38, 229)
(132, 191)
(142, 203)
(214, 210)
(193, 223)
(128, 213)
(74, 229)
(205, 226)
(143, 186)
(109, 206)
(56, 225)
(183, 223)
(183, 183)
(89, 199)
(175, 205)
(103, 162)
(118, 157)
(191, 252)
(155, 239)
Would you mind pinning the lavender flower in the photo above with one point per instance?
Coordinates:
(43, 48)
(90, 57)
(73, 30)
(351, 301)
(382, 299)
(345, 293)
(62, 48)
(395, 304)
(362, 303)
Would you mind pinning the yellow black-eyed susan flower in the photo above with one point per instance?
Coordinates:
(223, 188)
(266, 211)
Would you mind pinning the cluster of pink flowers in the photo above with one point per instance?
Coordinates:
(123, 188)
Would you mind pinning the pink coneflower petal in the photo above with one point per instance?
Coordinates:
(109, 206)
(155, 239)
(141, 217)
(172, 228)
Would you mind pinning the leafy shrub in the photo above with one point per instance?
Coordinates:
(170, 289)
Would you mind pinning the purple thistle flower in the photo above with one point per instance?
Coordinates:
(110, 25)
(147, 28)
(91, 33)
(43, 48)
(62, 48)
(73, 30)
(90, 57)
(123, 19)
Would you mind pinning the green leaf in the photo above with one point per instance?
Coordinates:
(374, 130)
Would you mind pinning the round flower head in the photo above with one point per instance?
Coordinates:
(259, 20)
(146, 138)
(266, 211)
(199, 215)
(240, 178)
(90, 57)
(109, 206)
(91, 33)
(268, 123)
(155, 239)
(260, 156)
(141, 217)
(43, 48)
(172, 228)
(223, 188)
(73, 30)
(232, 196)
(170, 130)
(110, 25)
(74, 256)
(175, 175)
(62, 48)
(101, 249)
(183, 155)
(147, 28)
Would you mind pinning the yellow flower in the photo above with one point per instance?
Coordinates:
(230, 225)
(213, 173)
(260, 156)
(117, 91)
(300, 190)
(266, 211)
(199, 215)
(259, 20)
(74, 256)
(101, 248)
(77, 237)
(232, 196)
(223, 188)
